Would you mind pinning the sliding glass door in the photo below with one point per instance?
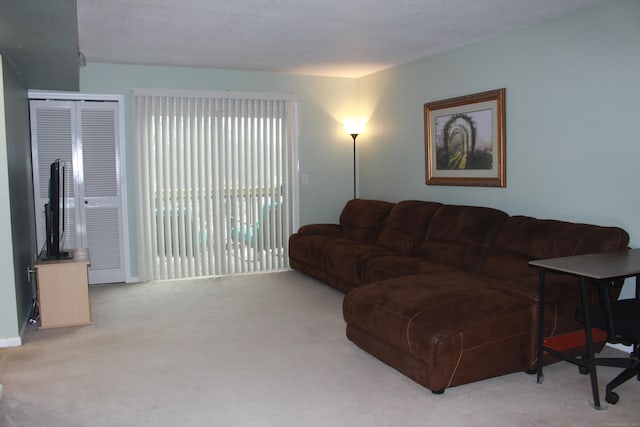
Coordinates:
(215, 181)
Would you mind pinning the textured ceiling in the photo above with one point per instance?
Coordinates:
(345, 38)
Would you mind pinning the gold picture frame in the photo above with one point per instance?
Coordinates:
(465, 140)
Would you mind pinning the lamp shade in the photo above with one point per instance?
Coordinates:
(354, 126)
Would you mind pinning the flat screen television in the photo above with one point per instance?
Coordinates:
(55, 214)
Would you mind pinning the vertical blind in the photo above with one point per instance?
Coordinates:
(214, 184)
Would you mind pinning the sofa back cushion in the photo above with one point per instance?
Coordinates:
(523, 239)
(460, 235)
(362, 220)
(407, 226)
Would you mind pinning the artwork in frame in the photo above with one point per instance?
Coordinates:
(465, 140)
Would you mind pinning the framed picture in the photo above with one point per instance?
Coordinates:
(465, 140)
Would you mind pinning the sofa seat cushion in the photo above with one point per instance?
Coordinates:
(558, 287)
(561, 296)
(444, 319)
(389, 266)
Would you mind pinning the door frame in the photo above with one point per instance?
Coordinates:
(124, 214)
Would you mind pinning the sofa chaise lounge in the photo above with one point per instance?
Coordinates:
(444, 293)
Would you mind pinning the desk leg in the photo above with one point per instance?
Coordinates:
(589, 338)
(539, 375)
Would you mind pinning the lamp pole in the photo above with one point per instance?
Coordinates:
(354, 136)
(354, 128)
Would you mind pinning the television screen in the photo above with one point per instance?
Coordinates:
(55, 213)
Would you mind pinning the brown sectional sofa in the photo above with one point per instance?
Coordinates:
(444, 293)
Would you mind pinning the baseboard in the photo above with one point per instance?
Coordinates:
(10, 342)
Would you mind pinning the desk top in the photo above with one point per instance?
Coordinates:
(605, 265)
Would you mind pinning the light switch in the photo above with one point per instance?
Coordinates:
(305, 179)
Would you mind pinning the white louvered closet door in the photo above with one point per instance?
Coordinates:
(92, 175)
(52, 131)
(98, 190)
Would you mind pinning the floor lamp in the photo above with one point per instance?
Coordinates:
(354, 128)
(354, 136)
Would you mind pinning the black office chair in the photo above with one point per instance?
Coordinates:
(621, 320)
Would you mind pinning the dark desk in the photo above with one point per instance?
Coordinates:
(605, 270)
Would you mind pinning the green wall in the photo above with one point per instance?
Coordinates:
(325, 150)
(16, 213)
(572, 134)
(8, 313)
(572, 137)
(572, 140)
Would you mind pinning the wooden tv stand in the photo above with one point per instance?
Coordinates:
(63, 290)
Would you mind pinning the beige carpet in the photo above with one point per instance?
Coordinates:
(258, 350)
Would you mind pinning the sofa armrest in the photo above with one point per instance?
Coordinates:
(322, 229)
